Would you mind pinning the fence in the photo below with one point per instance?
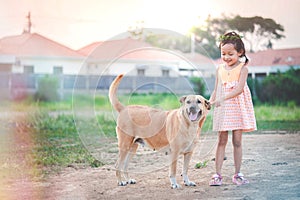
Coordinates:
(17, 85)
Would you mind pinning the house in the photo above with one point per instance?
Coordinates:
(32, 53)
(271, 61)
(138, 58)
(27, 57)
(35, 54)
(201, 65)
(264, 63)
(6, 62)
(130, 56)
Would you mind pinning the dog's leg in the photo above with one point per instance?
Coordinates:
(172, 173)
(128, 159)
(120, 165)
(186, 162)
(124, 143)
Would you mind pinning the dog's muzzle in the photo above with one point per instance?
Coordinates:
(194, 114)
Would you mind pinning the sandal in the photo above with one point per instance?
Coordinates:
(239, 179)
(216, 180)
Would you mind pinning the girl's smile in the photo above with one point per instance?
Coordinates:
(230, 55)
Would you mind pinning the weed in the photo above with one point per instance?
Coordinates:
(57, 142)
(201, 165)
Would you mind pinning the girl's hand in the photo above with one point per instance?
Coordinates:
(217, 102)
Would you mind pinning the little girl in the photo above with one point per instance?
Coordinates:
(233, 104)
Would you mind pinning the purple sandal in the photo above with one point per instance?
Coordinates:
(239, 179)
(216, 180)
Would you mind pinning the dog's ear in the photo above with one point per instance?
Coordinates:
(207, 104)
(182, 99)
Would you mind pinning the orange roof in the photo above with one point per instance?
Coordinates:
(273, 57)
(132, 49)
(152, 54)
(89, 48)
(112, 49)
(33, 44)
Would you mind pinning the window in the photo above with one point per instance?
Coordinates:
(57, 70)
(141, 69)
(28, 69)
(141, 72)
(165, 73)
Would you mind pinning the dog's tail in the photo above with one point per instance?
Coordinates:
(113, 94)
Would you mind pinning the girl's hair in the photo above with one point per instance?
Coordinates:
(236, 40)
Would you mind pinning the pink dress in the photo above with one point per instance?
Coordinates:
(236, 113)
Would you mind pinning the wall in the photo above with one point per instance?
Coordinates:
(44, 65)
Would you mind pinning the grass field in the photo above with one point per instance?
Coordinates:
(55, 142)
(269, 117)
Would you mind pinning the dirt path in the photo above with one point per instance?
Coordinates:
(271, 162)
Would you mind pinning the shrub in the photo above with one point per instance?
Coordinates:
(47, 89)
(280, 88)
(198, 85)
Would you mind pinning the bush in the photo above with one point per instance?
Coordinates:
(47, 89)
(198, 85)
(280, 88)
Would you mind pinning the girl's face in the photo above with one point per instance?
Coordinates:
(229, 54)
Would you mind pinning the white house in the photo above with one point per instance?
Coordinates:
(271, 61)
(130, 56)
(34, 53)
(197, 65)
(6, 62)
(264, 63)
(137, 58)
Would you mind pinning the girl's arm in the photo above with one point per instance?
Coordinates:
(212, 98)
(241, 84)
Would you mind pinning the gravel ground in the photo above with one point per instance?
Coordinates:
(271, 163)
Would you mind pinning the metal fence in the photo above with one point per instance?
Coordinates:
(16, 85)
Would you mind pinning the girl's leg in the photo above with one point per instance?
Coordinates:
(220, 153)
(238, 177)
(237, 149)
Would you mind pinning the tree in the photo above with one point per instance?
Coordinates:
(258, 32)
(206, 39)
(168, 41)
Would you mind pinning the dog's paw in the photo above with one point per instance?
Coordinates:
(175, 186)
(131, 181)
(189, 183)
(122, 183)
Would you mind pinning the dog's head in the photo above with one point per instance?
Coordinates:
(194, 106)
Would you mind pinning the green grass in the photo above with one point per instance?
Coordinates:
(108, 125)
(277, 113)
(164, 101)
(57, 142)
(278, 118)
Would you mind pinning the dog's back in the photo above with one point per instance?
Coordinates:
(139, 121)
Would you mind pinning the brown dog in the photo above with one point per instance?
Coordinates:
(177, 130)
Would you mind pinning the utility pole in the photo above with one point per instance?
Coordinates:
(27, 29)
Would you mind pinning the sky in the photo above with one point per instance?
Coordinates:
(77, 23)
